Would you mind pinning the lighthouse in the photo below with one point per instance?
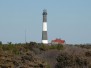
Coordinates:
(44, 29)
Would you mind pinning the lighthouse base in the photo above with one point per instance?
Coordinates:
(45, 41)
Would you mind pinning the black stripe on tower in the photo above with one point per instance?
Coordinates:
(44, 35)
(44, 16)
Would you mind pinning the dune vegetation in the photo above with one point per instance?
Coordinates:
(37, 55)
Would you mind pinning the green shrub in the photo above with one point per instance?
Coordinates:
(33, 44)
(0, 43)
(30, 46)
(48, 66)
(59, 46)
(15, 51)
(9, 43)
(8, 46)
(5, 47)
(44, 47)
(52, 47)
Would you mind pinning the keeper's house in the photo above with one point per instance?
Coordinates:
(58, 41)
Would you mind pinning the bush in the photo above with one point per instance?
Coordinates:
(58, 47)
(5, 48)
(53, 47)
(64, 60)
(44, 47)
(81, 61)
(68, 60)
(15, 51)
(88, 54)
(9, 43)
(33, 43)
(0, 43)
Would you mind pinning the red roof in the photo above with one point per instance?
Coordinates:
(59, 41)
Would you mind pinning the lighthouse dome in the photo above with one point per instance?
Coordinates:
(44, 12)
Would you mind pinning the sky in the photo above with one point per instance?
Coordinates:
(69, 20)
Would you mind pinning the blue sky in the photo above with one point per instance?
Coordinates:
(67, 19)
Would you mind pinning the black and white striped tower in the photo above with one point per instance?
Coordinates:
(44, 31)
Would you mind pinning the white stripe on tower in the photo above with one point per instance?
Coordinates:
(44, 32)
(44, 26)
